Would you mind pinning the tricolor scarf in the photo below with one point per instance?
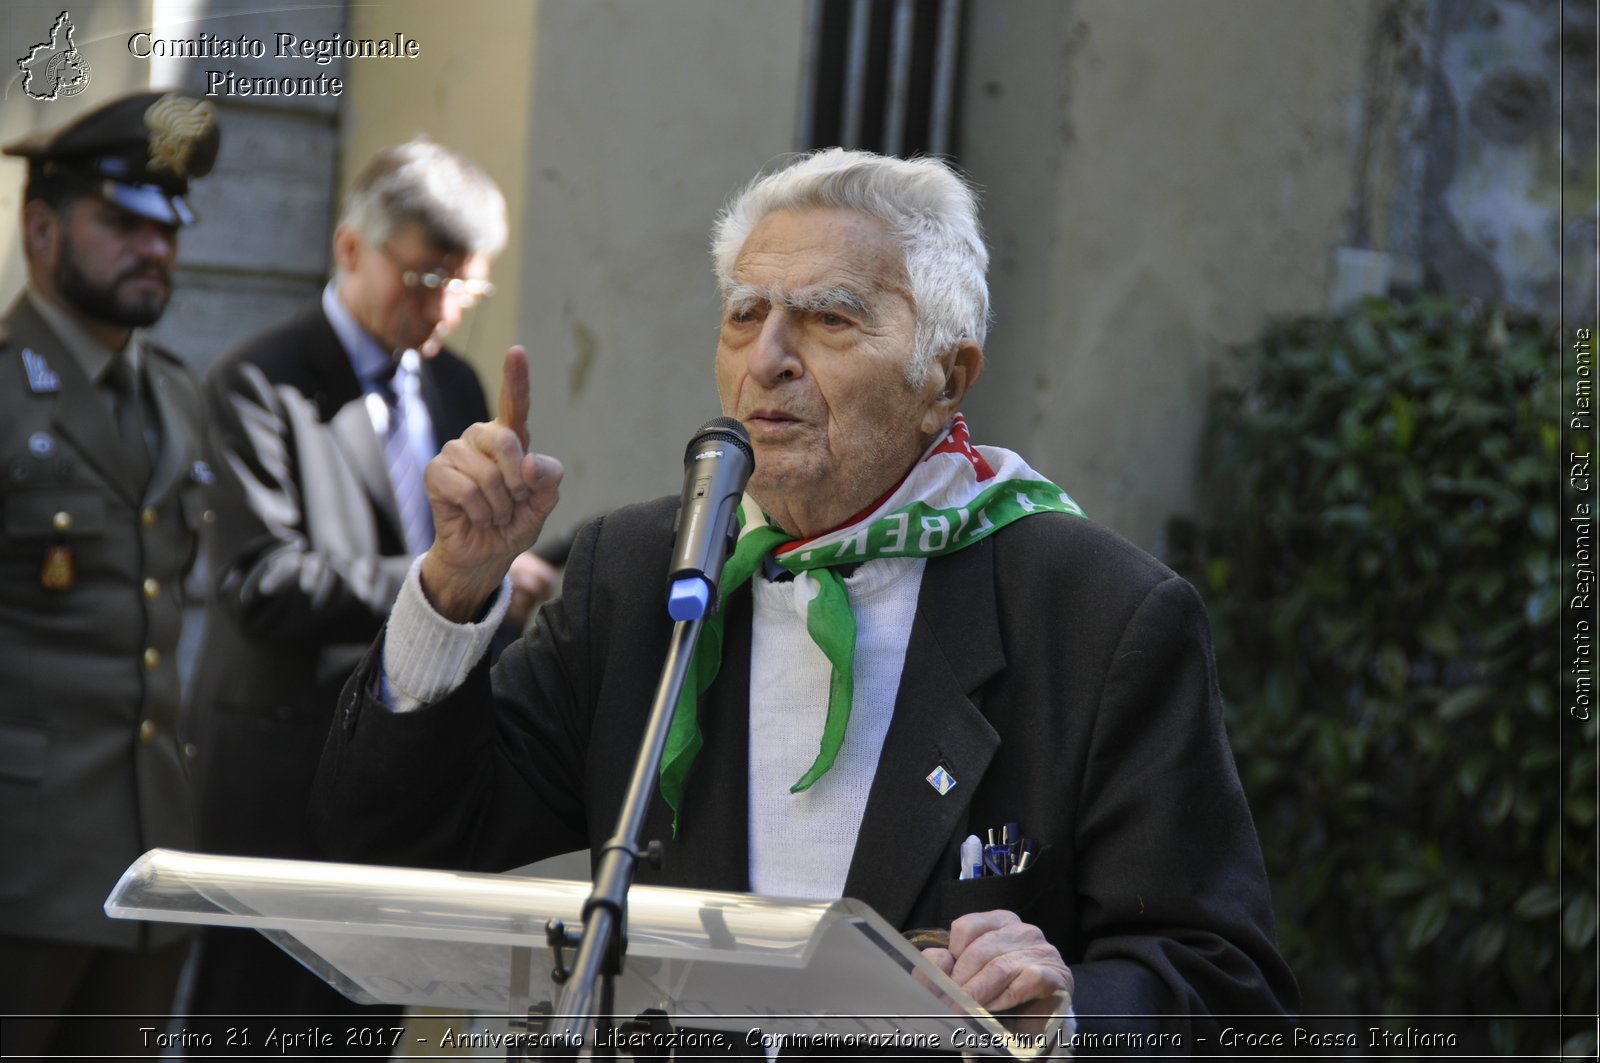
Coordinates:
(954, 496)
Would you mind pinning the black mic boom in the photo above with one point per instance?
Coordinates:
(716, 466)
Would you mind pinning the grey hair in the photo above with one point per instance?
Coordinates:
(458, 205)
(927, 206)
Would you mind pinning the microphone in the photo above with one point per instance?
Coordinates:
(716, 466)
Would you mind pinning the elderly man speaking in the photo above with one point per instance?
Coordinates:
(919, 639)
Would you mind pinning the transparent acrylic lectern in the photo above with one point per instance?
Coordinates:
(477, 943)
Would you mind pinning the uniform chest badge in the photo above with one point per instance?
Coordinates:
(42, 380)
(40, 445)
(59, 571)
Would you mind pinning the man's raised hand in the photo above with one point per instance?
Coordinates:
(490, 500)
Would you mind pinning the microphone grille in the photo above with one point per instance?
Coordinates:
(724, 429)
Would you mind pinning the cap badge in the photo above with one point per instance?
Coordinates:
(177, 124)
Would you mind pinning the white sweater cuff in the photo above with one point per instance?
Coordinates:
(426, 656)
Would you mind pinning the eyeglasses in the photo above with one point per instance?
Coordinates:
(467, 292)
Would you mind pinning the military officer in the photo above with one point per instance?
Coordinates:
(102, 499)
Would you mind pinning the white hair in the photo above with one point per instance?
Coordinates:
(928, 208)
(457, 204)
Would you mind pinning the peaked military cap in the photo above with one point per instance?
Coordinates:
(138, 152)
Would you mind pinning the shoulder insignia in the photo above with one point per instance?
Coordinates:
(42, 380)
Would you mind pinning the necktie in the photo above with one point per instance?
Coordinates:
(124, 384)
(400, 391)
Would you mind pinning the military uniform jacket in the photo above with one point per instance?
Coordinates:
(92, 773)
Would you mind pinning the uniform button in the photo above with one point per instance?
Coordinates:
(209, 516)
(191, 750)
(152, 657)
(152, 589)
(147, 731)
(148, 516)
(62, 521)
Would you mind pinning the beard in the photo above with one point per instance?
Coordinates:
(102, 302)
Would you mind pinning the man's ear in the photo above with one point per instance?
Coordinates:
(959, 368)
(41, 232)
(347, 245)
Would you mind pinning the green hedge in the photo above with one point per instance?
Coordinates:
(1381, 567)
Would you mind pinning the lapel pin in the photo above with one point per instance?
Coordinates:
(941, 780)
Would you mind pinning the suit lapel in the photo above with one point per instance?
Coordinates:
(443, 415)
(341, 403)
(908, 828)
(352, 427)
(332, 379)
(712, 850)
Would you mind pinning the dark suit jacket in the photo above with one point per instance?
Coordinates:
(91, 770)
(306, 559)
(1063, 677)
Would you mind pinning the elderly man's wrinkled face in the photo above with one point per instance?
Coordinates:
(818, 330)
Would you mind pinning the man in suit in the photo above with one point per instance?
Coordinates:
(918, 639)
(103, 491)
(323, 425)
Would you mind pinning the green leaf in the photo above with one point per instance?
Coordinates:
(1538, 902)
(1541, 606)
(1542, 522)
(1498, 804)
(1463, 702)
(1581, 1045)
(1502, 729)
(1404, 423)
(1427, 920)
(1578, 921)
(1391, 667)
(1403, 883)
(1440, 636)
(1471, 772)
(1217, 572)
(1485, 943)
(1353, 515)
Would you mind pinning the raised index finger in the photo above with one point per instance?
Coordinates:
(514, 399)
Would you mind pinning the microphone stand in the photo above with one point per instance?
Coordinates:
(604, 938)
